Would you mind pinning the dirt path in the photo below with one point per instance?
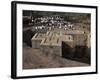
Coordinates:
(34, 58)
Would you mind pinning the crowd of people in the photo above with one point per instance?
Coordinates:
(49, 22)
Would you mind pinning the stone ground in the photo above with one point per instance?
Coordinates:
(34, 59)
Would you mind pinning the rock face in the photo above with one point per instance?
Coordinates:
(27, 35)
